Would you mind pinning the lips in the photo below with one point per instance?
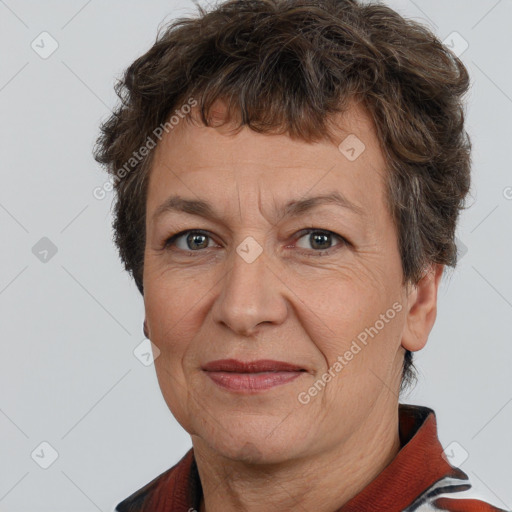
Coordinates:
(262, 365)
(252, 376)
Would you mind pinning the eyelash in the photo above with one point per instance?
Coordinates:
(171, 240)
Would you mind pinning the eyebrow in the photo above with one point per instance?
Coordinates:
(293, 208)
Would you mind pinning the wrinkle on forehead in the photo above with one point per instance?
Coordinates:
(253, 171)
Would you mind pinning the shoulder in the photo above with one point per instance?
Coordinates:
(139, 500)
(465, 505)
(452, 495)
(151, 497)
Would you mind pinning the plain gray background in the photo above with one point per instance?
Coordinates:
(71, 321)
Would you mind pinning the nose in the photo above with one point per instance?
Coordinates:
(251, 294)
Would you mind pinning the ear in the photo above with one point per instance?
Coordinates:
(145, 329)
(422, 309)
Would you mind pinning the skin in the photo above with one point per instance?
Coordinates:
(268, 451)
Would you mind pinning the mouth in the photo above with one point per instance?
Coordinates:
(260, 366)
(252, 376)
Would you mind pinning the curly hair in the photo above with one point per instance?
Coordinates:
(288, 66)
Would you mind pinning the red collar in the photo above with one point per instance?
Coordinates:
(418, 465)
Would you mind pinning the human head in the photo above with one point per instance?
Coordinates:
(288, 67)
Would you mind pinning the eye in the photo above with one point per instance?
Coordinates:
(191, 240)
(320, 241)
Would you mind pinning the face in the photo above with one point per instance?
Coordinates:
(271, 277)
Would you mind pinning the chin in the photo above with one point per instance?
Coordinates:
(259, 444)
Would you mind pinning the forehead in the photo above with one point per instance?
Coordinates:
(194, 160)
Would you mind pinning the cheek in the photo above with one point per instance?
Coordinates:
(173, 303)
(340, 312)
(359, 350)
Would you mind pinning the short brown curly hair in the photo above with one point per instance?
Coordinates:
(287, 66)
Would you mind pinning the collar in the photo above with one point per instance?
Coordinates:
(418, 465)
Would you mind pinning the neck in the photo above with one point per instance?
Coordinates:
(323, 481)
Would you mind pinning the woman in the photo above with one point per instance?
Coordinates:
(316, 153)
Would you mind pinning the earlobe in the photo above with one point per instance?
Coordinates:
(145, 329)
(422, 309)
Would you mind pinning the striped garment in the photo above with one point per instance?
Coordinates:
(418, 479)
